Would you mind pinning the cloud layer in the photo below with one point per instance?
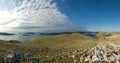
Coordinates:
(32, 15)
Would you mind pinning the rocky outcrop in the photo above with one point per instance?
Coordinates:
(103, 53)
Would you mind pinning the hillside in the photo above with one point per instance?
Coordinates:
(63, 40)
(63, 48)
(108, 36)
(50, 47)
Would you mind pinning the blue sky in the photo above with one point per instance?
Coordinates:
(59, 15)
(94, 15)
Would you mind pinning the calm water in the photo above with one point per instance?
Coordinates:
(25, 37)
(21, 37)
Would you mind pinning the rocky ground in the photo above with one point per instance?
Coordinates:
(73, 48)
(103, 53)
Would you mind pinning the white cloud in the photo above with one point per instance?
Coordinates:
(34, 14)
(1, 1)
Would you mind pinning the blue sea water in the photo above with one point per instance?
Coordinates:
(21, 36)
(25, 36)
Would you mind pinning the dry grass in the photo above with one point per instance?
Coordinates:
(66, 42)
(58, 41)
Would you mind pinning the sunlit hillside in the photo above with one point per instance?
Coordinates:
(64, 48)
(53, 46)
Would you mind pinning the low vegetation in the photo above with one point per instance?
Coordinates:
(63, 48)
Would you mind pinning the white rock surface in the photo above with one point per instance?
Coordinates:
(103, 52)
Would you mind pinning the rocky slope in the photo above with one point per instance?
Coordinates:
(103, 53)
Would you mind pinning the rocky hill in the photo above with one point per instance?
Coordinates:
(63, 48)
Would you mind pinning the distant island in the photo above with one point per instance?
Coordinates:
(58, 33)
(6, 34)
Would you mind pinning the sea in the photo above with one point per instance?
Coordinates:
(23, 37)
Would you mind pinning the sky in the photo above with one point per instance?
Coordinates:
(94, 15)
(59, 15)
